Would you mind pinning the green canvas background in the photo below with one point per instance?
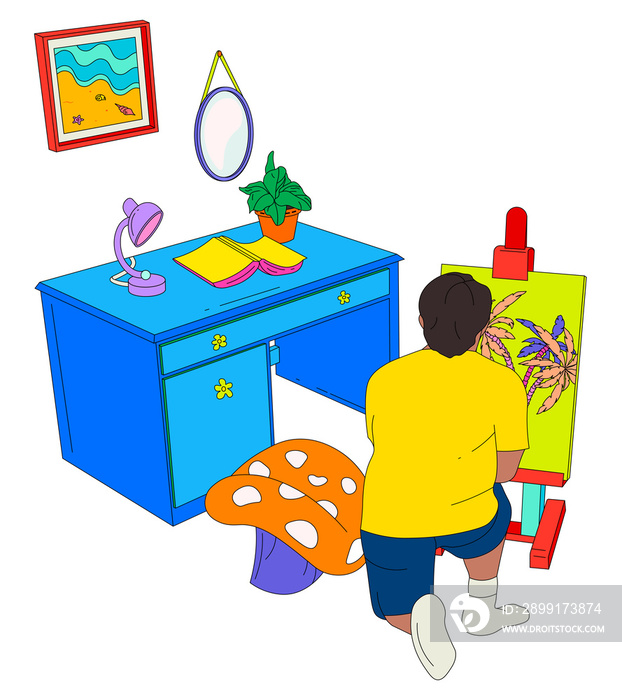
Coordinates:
(547, 295)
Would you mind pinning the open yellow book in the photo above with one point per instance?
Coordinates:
(224, 262)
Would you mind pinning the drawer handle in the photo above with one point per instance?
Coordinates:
(344, 298)
(220, 341)
(223, 388)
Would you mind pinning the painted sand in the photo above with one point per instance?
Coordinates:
(78, 104)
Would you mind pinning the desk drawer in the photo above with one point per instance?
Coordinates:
(272, 322)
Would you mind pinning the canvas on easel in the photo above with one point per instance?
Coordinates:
(535, 329)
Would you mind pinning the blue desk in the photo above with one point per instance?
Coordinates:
(135, 378)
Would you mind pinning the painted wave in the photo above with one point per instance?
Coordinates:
(98, 62)
(120, 48)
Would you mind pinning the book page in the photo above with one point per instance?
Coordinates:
(276, 253)
(214, 261)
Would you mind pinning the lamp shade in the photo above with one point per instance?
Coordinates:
(144, 219)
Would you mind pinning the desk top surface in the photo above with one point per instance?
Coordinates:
(190, 303)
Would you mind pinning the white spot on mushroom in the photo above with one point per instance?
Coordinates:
(258, 468)
(348, 485)
(296, 458)
(246, 495)
(329, 506)
(303, 532)
(356, 552)
(290, 492)
(317, 480)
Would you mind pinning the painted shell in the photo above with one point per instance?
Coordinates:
(124, 110)
(100, 97)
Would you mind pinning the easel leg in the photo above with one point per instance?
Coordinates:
(534, 496)
(546, 538)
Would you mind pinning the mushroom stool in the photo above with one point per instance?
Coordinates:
(305, 499)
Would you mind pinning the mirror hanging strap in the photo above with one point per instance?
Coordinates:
(218, 56)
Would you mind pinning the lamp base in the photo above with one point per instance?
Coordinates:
(139, 287)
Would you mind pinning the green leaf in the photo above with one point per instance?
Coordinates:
(287, 199)
(255, 191)
(270, 163)
(252, 200)
(306, 202)
(263, 202)
(291, 200)
(253, 187)
(295, 191)
(274, 180)
(277, 212)
(283, 179)
(293, 187)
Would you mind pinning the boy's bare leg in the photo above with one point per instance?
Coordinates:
(487, 566)
(402, 622)
(483, 585)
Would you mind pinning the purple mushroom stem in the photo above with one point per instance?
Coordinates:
(278, 568)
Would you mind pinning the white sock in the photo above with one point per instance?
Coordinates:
(492, 619)
(430, 637)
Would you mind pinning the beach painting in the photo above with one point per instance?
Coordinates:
(97, 83)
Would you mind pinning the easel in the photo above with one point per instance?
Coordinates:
(541, 519)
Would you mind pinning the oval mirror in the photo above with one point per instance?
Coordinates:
(223, 133)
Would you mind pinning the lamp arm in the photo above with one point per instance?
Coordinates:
(119, 252)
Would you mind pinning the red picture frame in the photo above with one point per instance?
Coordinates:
(97, 84)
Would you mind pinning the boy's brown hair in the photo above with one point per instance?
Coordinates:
(454, 308)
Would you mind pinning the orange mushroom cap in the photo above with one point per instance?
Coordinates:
(307, 494)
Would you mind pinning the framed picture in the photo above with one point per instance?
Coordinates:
(97, 84)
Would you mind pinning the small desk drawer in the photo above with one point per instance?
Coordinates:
(280, 319)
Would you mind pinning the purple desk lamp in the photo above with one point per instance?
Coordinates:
(142, 221)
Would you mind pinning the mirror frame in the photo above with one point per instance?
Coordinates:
(197, 133)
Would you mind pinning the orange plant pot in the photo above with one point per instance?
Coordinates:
(283, 233)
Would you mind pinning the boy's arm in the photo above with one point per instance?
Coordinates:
(507, 465)
(370, 427)
(369, 409)
(511, 427)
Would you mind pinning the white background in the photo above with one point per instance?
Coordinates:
(414, 126)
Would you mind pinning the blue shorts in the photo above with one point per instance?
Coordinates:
(401, 569)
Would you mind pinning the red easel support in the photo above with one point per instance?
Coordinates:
(548, 531)
(514, 259)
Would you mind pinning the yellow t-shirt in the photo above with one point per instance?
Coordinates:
(436, 424)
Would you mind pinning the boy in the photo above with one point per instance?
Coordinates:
(448, 426)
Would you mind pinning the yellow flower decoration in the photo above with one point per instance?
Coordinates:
(223, 389)
(343, 298)
(219, 341)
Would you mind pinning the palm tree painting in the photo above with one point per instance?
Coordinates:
(494, 334)
(555, 361)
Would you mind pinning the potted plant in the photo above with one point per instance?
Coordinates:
(277, 201)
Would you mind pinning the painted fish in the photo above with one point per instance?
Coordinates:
(124, 110)
(100, 97)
